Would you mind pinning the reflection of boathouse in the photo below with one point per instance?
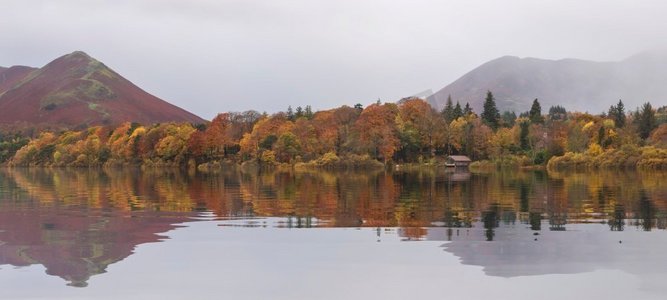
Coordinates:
(458, 161)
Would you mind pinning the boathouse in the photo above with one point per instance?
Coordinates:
(458, 161)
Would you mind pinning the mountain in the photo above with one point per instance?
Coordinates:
(76, 90)
(575, 84)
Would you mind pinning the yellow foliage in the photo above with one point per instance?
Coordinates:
(594, 149)
(588, 126)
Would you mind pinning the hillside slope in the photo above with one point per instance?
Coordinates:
(77, 90)
(576, 84)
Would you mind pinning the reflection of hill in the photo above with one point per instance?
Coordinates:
(73, 230)
(75, 247)
(515, 252)
(77, 222)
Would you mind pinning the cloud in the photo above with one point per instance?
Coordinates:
(211, 56)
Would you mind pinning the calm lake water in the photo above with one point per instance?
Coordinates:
(128, 234)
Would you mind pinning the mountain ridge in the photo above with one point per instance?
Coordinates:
(78, 90)
(577, 84)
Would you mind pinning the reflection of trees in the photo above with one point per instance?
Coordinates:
(535, 221)
(646, 212)
(109, 212)
(617, 221)
(74, 222)
(490, 220)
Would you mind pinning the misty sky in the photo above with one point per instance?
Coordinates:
(210, 56)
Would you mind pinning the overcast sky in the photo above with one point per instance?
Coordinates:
(210, 56)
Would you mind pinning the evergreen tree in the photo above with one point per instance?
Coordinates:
(646, 120)
(535, 114)
(308, 113)
(524, 127)
(458, 112)
(617, 113)
(467, 110)
(290, 113)
(448, 111)
(557, 113)
(508, 118)
(490, 114)
(299, 112)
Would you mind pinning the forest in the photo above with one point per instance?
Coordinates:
(378, 135)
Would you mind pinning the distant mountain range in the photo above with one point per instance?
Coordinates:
(575, 84)
(77, 90)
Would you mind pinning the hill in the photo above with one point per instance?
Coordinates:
(77, 90)
(575, 84)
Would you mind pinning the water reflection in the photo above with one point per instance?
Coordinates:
(76, 223)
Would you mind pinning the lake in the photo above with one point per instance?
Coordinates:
(419, 233)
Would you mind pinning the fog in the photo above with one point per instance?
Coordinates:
(212, 56)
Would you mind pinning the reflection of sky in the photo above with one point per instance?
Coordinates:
(207, 261)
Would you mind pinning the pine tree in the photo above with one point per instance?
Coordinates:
(308, 113)
(646, 120)
(535, 114)
(299, 112)
(290, 113)
(458, 112)
(524, 127)
(448, 111)
(508, 118)
(467, 110)
(617, 113)
(490, 114)
(557, 113)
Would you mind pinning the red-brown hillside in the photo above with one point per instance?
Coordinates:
(76, 90)
(12, 76)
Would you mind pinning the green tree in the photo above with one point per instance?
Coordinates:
(617, 113)
(508, 118)
(557, 113)
(467, 110)
(458, 112)
(490, 114)
(535, 114)
(308, 113)
(290, 113)
(448, 111)
(299, 112)
(646, 121)
(524, 131)
(287, 147)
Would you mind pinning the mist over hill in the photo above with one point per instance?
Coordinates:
(575, 84)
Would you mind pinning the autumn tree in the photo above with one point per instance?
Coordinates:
(287, 147)
(417, 125)
(211, 144)
(345, 118)
(172, 147)
(264, 134)
(376, 128)
(659, 136)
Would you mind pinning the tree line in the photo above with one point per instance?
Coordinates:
(409, 131)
